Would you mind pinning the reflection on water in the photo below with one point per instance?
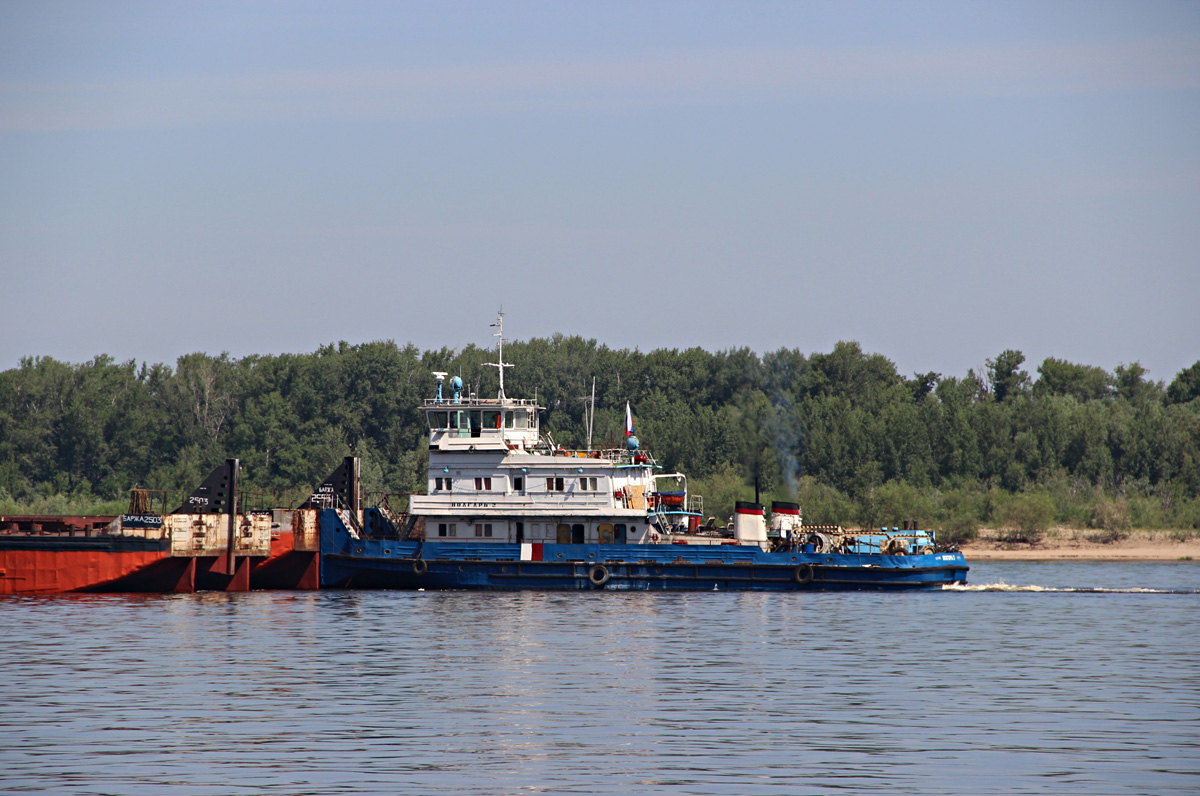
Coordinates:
(1090, 688)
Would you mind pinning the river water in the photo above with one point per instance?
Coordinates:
(1038, 678)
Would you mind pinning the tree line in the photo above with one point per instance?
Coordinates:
(855, 441)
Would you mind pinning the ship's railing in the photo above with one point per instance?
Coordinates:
(626, 456)
(271, 499)
(473, 401)
(164, 501)
(155, 501)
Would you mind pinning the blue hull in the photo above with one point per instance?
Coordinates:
(390, 564)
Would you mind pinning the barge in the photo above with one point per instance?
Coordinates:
(205, 543)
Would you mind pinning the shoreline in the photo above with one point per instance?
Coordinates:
(1071, 544)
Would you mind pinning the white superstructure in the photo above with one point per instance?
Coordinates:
(494, 478)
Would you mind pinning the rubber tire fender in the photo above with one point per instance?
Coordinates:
(803, 574)
(420, 566)
(599, 575)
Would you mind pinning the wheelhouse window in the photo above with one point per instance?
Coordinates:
(439, 420)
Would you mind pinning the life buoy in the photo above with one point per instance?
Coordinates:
(420, 566)
(598, 575)
(803, 574)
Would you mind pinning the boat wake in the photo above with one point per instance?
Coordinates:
(1005, 587)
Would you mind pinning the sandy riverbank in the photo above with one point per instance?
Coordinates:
(1083, 545)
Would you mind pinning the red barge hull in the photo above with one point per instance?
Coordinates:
(49, 564)
(56, 564)
(206, 544)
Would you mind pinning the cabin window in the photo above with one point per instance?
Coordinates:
(587, 484)
(518, 483)
(454, 529)
(491, 420)
(441, 529)
(577, 533)
(483, 484)
(483, 529)
(447, 529)
(554, 485)
(445, 484)
(508, 420)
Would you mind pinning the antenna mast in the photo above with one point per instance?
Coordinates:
(499, 365)
(592, 414)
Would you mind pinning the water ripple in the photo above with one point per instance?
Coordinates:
(1091, 690)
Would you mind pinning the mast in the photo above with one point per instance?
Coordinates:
(592, 414)
(500, 364)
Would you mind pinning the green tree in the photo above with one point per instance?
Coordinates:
(1185, 386)
(1082, 382)
(1005, 375)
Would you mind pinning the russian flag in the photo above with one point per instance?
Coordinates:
(628, 420)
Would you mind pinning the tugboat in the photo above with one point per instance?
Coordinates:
(507, 508)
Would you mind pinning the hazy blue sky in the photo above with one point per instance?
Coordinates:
(937, 181)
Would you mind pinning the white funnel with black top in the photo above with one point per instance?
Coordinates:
(748, 524)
